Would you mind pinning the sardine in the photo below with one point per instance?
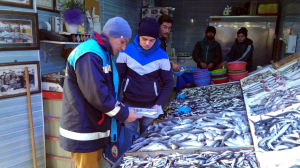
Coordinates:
(153, 147)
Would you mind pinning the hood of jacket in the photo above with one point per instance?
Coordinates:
(144, 52)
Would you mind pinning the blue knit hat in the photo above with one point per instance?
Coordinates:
(117, 27)
(148, 27)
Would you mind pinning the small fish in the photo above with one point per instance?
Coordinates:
(201, 137)
(189, 143)
(153, 147)
(208, 135)
(226, 136)
(238, 130)
(248, 139)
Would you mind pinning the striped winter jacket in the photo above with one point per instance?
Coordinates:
(89, 98)
(143, 72)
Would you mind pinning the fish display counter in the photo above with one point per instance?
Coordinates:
(206, 157)
(272, 99)
(222, 125)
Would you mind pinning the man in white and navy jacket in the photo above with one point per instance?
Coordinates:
(141, 66)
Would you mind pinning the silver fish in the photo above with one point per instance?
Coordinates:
(189, 143)
(226, 136)
(153, 147)
(201, 137)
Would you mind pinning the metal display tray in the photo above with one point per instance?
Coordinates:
(183, 151)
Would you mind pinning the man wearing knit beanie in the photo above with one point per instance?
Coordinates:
(141, 66)
(207, 52)
(90, 94)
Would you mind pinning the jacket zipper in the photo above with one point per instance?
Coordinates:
(207, 46)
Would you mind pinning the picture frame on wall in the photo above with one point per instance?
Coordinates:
(58, 3)
(45, 5)
(18, 3)
(12, 79)
(18, 31)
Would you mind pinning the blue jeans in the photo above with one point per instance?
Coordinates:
(144, 122)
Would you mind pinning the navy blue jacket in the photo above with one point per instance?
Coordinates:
(89, 98)
(241, 52)
(142, 71)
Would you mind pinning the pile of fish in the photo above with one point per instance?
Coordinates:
(279, 132)
(230, 129)
(265, 85)
(292, 72)
(243, 158)
(277, 100)
(205, 100)
(257, 78)
(292, 68)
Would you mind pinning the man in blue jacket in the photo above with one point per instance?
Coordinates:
(89, 96)
(141, 66)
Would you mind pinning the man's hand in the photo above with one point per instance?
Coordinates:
(155, 106)
(210, 65)
(132, 116)
(176, 67)
(203, 65)
(224, 63)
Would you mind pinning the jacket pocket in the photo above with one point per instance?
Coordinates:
(140, 89)
(155, 89)
(126, 84)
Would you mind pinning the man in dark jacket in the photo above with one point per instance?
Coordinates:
(90, 92)
(207, 52)
(142, 65)
(165, 27)
(241, 50)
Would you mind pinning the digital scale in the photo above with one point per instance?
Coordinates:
(181, 56)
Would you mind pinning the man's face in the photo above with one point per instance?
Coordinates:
(147, 42)
(241, 37)
(210, 35)
(118, 44)
(165, 29)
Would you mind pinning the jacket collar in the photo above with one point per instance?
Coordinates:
(103, 41)
(142, 51)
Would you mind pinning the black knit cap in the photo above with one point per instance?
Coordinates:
(243, 30)
(211, 29)
(149, 27)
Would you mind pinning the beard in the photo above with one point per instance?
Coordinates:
(210, 37)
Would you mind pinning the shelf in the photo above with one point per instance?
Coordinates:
(245, 18)
(58, 42)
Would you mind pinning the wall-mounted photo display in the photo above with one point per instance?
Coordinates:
(18, 3)
(18, 31)
(12, 79)
(45, 4)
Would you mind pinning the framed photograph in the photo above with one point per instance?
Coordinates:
(18, 3)
(12, 79)
(58, 3)
(45, 5)
(18, 31)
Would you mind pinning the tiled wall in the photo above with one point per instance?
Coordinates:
(290, 21)
(128, 9)
(186, 33)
